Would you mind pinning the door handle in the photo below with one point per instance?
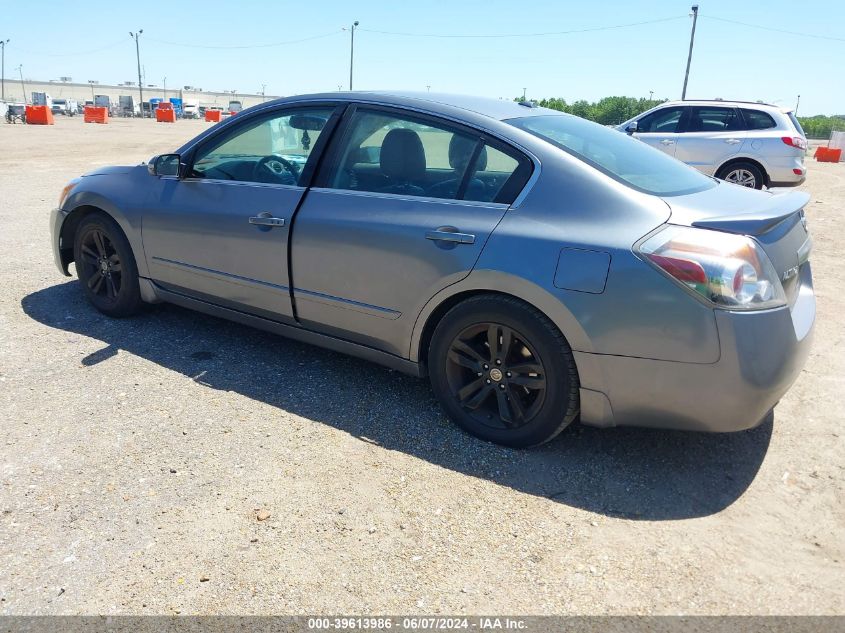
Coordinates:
(450, 236)
(266, 220)
(732, 141)
(667, 141)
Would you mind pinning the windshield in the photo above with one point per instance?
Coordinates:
(616, 154)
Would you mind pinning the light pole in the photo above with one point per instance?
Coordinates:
(3, 72)
(263, 92)
(524, 91)
(351, 50)
(798, 101)
(23, 86)
(650, 94)
(164, 89)
(689, 57)
(428, 88)
(92, 82)
(138, 57)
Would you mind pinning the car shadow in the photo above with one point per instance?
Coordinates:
(638, 474)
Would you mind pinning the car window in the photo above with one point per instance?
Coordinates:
(498, 176)
(385, 153)
(625, 159)
(663, 121)
(756, 120)
(718, 119)
(273, 149)
(388, 153)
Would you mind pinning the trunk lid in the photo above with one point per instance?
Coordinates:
(775, 220)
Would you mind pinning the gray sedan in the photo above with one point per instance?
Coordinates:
(538, 268)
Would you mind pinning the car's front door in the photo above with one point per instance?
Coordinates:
(710, 137)
(660, 128)
(221, 232)
(402, 209)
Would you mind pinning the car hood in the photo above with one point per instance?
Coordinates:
(735, 209)
(105, 171)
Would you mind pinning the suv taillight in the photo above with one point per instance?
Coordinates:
(794, 141)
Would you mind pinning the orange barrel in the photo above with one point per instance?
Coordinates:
(39, 115)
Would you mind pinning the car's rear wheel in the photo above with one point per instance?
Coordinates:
(106, 266)
(503, 371)
(743, 174)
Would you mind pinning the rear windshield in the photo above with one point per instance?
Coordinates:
(616, 154)
(797, 125)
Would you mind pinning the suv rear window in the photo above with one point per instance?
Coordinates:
(756, 120)
(797, 125)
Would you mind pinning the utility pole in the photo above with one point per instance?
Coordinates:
(263, 91)
(351, 50)
(23, 85)
(164, 89)
(3, 72)
(138, 57)
(796, 105)
(689, 57)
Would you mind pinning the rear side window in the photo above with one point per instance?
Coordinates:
(710, 119)
(389, 153)
(757, 120)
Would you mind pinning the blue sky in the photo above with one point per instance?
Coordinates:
(730, 60)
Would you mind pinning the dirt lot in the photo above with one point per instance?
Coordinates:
(136, 454)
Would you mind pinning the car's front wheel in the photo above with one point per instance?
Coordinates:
(106, 266)
(503, 371)
(743, 174)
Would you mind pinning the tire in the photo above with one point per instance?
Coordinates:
(742, 174)
(527, 399)
(106, 266)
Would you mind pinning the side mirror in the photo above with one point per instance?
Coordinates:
(165, 165)
(631, 128)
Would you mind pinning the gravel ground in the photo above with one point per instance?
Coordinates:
(177, 463)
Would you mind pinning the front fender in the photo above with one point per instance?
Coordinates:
(83, 199)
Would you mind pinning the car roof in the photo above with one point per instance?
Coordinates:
(499, 109)
(726, 102)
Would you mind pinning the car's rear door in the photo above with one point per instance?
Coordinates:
(401, 209)
(221, 233)
(711, 136)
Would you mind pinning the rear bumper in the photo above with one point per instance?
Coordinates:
(781, 171)
(762, 353)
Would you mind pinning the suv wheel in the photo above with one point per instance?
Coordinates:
(503, 371)
(743, 174)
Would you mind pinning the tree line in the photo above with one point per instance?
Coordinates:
(616, 110)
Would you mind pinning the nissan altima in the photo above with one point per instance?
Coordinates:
(537, 267)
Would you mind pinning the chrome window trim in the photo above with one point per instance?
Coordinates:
(405, 197)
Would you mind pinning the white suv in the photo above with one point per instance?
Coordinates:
(749, 144)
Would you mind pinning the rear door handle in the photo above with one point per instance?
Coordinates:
(732, 141)
(667, 141)
(450, 236)
(265, 219)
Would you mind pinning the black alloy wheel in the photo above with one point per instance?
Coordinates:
(503, 371)
(106, 266)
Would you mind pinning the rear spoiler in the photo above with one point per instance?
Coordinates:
(759, 221)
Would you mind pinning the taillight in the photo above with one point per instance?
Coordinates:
(794, 141)
(730, 271)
